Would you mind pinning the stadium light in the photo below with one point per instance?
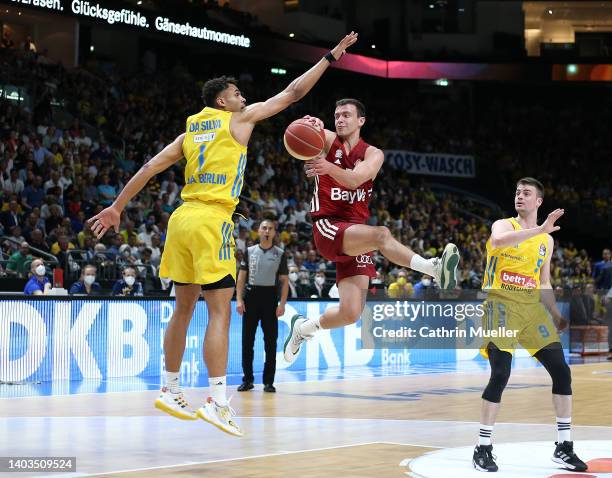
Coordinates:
(91, 48)
(278, 71)
(550, 12)
(572, 69)
(442, 82)
(291, 35)
(139, 2)
(373, 46)
(431, 5)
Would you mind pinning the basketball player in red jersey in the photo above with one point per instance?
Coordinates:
(344, 175)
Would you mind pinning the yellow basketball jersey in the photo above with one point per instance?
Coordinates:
(215, 160)
(513, 272)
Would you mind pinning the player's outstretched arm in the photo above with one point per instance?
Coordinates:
(350, 179)
(297, 89)
(110, 217)
(504, 235)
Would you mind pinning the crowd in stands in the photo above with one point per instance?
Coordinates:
(54, 175)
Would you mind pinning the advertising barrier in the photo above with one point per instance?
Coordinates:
(55, 339)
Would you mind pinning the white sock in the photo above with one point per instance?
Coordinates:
(484, 437)
(423, 265)
(172, 382)
(564, 432)
(310, 327)
(217, 390)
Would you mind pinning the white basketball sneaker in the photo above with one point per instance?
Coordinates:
(445, 267)
(174, 404)
(221, 417)
(294, 339)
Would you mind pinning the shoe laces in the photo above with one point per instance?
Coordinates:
(488, 452)
(226, 412)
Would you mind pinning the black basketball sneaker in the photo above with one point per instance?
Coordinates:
(483, 459)
(564, 454)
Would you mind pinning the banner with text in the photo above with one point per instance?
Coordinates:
(431, 164)
(42, 340)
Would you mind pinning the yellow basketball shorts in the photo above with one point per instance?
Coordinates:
(199, 246)
(530, 323)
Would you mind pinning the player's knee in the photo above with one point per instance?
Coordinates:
(350, 313)
(382, 235)
(562, 380)
(497, 384)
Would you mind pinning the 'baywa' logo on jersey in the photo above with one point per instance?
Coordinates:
(516, 279)
(358, 195)
(542, 250)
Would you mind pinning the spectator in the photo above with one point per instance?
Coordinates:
(599, 267)
(33, 194)
(401, 288)
(87, 284)
(320, 288)
(421, 288)
(107, 191)
(297, 290)
(14, 185)
(312, 263)
(37, 241)
(19, 262)
(128, 286)
(12, 217)
(38, 284)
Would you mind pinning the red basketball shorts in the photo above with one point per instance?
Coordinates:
(328, 236)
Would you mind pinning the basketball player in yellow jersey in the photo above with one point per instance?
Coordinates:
(199, 249)
(517, 278)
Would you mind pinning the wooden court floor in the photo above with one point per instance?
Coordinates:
(368, 427)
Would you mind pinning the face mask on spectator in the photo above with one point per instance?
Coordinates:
(426, 282)
(320, 280)
(293, 276)
(129, 280)
(40, 270)
(89, 279)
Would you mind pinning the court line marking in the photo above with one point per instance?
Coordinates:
(398, 420)
(265, 455)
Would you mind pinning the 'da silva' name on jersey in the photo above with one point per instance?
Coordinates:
(205, 125)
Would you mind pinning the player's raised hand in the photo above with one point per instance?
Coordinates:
(549, 225)
(103, 221)
(314, 120)
(347, 41)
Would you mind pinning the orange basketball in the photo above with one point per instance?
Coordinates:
(304, 140)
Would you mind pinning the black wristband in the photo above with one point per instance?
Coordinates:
(329, 57)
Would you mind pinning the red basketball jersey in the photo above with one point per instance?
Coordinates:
(332, 200)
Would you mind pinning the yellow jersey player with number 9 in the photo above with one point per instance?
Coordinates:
(517, 279)
(199, 250)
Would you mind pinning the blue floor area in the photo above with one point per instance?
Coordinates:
(139, 384)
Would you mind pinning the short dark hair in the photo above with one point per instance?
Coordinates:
(212, 88)
(361, 111)
(528, 181)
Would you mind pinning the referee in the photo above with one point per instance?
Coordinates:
(262, 266)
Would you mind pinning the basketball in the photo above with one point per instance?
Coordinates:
(304, 140)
